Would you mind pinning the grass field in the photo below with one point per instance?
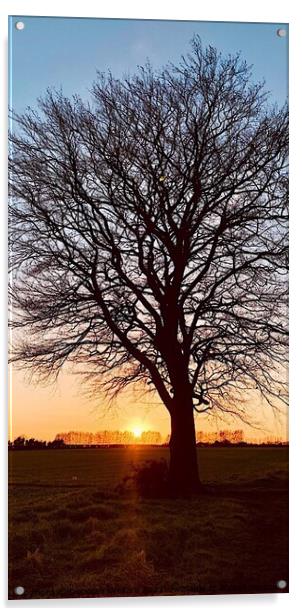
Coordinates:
(72, 535)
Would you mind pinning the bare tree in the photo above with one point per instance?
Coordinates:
(148, 239)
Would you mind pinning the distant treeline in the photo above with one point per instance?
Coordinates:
(111, 437)
(149, 437)
(22, 443)
(117, 437)
(227, 443)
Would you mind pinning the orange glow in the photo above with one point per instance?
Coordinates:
(44, 411)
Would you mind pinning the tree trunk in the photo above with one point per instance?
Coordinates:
(183, 470)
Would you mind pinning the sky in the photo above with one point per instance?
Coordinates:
(67, 53)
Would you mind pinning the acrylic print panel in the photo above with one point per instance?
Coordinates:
(148, 250)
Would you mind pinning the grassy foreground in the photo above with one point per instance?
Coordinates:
(72, 535)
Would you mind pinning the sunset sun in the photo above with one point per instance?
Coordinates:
(137, 431)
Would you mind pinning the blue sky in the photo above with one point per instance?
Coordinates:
(67, 52)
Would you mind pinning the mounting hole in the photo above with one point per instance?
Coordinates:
(281, 584)
(20, 25)
(19, 590)
(281, 32)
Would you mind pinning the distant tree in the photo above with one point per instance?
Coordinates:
(19, 442)
(148, 240)
(31, 443)
(57, 443)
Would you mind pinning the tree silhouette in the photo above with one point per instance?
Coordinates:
(148, 239)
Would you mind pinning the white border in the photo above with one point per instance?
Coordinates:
(220, 10)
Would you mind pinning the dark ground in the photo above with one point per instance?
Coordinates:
(72, 535)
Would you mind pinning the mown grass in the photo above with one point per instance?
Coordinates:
(80, 538)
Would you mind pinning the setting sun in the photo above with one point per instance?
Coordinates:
(137, 431)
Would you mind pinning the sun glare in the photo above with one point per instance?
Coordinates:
(137, 431)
